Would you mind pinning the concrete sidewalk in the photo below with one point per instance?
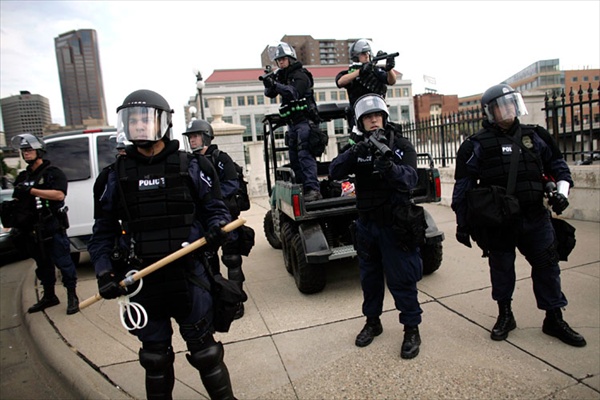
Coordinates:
(294, 346)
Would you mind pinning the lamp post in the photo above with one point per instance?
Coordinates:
(200, 85)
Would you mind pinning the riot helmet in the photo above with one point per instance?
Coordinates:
(201, 127)
(360, 46)
(280, 50)
(29, 141)
(369, 104)
(145, 118)
(502, 104)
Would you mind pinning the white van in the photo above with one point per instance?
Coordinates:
(81, 155)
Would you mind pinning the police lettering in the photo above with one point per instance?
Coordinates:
(151, 184)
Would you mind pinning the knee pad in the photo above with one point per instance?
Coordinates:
(156, 357)
(544, 259)
(206, 359)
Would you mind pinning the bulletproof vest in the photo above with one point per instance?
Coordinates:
(372, 191)
(495, 166)
(305, 106)
(157, 205)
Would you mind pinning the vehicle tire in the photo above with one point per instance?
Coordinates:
(269, 229)
(76, 256)
(431, 254)
(287, 232)
(310, 278)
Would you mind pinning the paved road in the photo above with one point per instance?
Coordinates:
(294, 346)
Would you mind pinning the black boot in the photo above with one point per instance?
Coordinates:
(371, 329)
(505, 322)
(72, 301)
(555, 325)
(411, 342)
(49, 299)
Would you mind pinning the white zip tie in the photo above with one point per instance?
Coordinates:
(136, 314)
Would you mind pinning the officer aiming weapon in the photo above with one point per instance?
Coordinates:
(131, 279)
(383, 56)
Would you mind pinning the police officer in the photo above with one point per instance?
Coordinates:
(483, 160)
(362, 77)
(41, 221)
(200, 135)
(163, 197)
(383, 183)
(294, 84)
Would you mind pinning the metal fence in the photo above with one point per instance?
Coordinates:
(575, 125)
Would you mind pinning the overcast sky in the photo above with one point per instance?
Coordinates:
(466, 46)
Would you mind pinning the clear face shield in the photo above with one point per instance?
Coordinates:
(369, 105)
(143, 124)
(505, 109)
(25, 141)
(197, 140)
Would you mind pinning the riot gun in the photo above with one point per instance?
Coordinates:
(383, 56)
(376, 143)
(269, 72)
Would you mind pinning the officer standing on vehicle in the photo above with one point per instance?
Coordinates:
(363, 77)
(294, 84)
(200, 135)
(483, 160)
(41, 222)
(383, 184)
(162, 204)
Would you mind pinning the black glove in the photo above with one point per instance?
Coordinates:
(365, 69)
(108, 286)
(462, 235)
(21, 189)
(390, 63)
(360, 149)
(216, 236)
(269, 82)
(382, 164)
(559, 202)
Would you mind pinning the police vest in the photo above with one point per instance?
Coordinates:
(495, 166)
(157, 205)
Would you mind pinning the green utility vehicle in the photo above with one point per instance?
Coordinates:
(312, 234)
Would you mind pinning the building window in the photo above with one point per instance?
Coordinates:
(227, 101)
(259, 126)
(250, 100)
(343, 95)
(260, 99)
(246, 120)
(321, 96)
(228, 119)
(241, 101)
(574, 79)
(404, 114)
(338, 126)
(334, 95)
(397, 93)
(405, 92)
(586, 78)
(274, 100)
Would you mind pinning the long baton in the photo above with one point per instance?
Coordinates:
(162, 262)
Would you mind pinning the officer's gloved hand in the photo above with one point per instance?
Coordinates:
(269, 82)
(390, 63)
(216, 236)
(360, 149)
(365, 69)
(462, 235)
(109, 287)
(382, 164)
(21, 190)
(559, 203)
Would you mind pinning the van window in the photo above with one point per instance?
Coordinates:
(72, 156)
(106, 151)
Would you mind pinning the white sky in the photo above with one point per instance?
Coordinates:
(466, 46)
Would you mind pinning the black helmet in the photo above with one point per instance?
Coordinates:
(360, 46)
(368, 104)
(29, 141)
(152, 110)
(508, 102)
(280, 50)
(202, 127)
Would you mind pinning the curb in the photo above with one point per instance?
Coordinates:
(60, 359)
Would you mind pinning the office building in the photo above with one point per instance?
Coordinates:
(25, 112)
(80, 77)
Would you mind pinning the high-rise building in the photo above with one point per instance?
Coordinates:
(23, 113)
(80, 77)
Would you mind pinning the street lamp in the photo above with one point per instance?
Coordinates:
(200, 85)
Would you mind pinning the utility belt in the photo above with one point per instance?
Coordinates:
(295, 111)
(382, 216)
